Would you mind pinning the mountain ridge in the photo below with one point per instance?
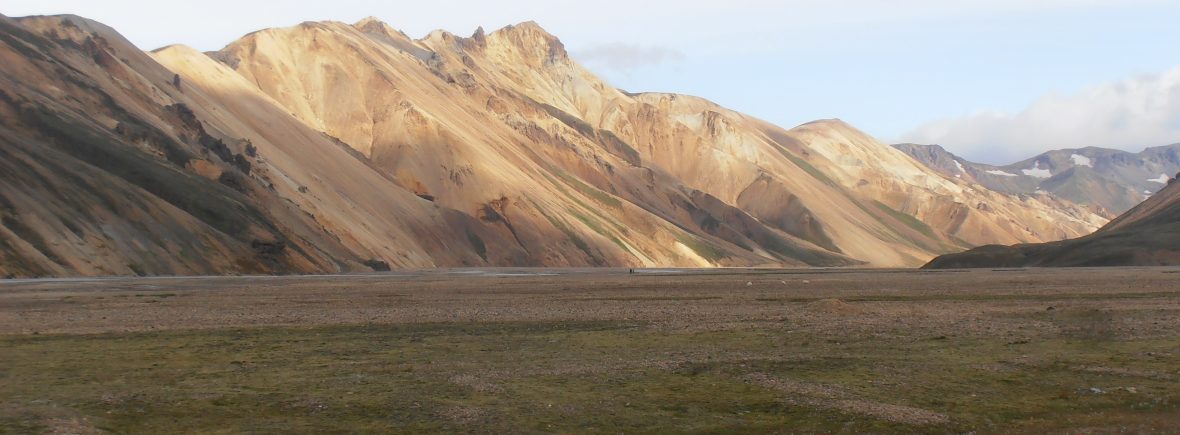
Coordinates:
(1115, 181)
(354, 147)
(1147, 235)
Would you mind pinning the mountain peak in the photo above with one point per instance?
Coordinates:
(530, 39)
(527, 25)
(369, 21)
(69, 26)
(833, 126)
(375, 27)
(830, 122)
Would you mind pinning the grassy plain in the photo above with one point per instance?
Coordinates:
(600, 351)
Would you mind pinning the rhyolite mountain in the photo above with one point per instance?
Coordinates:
(1113, 181)
(1147, 235)
(330, 147)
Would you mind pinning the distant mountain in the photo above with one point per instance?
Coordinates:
(1147, 235)
(330, 147)
(1110, 179)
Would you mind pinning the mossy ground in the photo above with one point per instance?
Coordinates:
(575, 377)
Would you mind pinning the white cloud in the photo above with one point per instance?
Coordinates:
(626, 57)
(1130, 114)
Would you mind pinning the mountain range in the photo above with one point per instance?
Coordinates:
(1147, 235)
(1111, 181)
(334, 147)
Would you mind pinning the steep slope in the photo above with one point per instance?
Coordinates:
(119, 166)
(479, 95)
(505, 158)
(106, 173)
(1111, 180)
(964, 210)
(244, 187)
(331, 147)
(731, 148)
(1147, 235)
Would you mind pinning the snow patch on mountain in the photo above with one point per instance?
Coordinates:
(1002, 173)
(1081, 160)
(1037, 172)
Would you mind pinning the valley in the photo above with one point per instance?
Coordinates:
(331, 226)
(597, 351)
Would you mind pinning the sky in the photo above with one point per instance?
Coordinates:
(994, 81)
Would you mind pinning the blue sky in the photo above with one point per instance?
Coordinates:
(995, 81)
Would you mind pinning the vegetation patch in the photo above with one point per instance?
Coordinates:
(593, 225)
(568, 377)
(703, 249)
(591, 191)
(906, 219)
(478, 244)
(573, 237)
(810, 170)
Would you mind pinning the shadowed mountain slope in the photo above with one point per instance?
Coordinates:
(1147, 235)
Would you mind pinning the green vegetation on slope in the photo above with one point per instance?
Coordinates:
(910, 221)
(593, 225)
(811, 170)
(571, 235)
(702, 248)
(591, 191)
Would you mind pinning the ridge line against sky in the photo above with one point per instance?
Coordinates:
(994, 81)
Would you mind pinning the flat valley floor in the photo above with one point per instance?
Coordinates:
(598, 351)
